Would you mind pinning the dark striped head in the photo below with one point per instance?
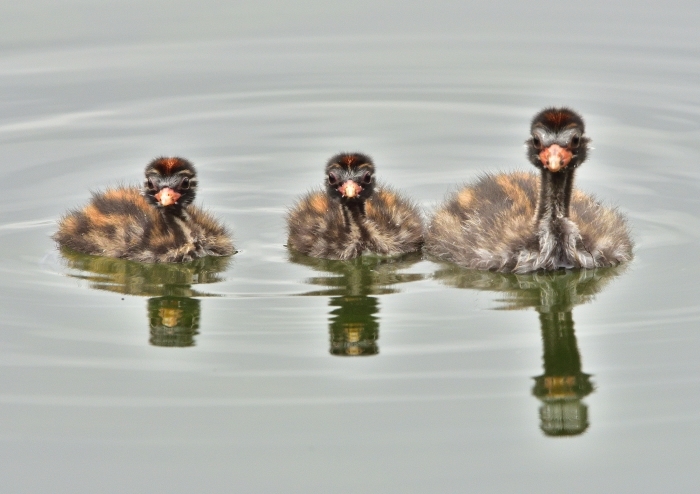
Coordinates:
(350, 177)
(170, 183)
(557, 140)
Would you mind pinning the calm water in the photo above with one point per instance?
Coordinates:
(272, 372)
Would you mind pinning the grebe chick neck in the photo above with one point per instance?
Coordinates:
(557, 146)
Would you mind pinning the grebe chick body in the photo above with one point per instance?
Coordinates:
(353, 215)
(155, 223)
(519, 222)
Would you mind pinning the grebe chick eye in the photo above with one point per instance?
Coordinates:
(353, 215)
(519, 222)
(155, 222)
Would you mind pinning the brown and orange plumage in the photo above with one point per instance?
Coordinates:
(353, 215)
(156, 223)
(519, 222)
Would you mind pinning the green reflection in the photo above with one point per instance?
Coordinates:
(352, 286)
(173, 313)
(553, 295)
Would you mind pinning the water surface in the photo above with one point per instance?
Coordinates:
(276, 372)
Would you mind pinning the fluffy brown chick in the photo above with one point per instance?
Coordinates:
(353, 215)
(154, 223)
(519, 222)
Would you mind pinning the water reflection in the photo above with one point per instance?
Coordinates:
(352, 285)
(173, 312)
(563, 385)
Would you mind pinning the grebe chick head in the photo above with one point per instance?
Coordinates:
(350, 177)
(171, 183)
(557, 140)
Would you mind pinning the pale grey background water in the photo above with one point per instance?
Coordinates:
(259, 95)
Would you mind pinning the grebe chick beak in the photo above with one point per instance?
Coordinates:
(350, 189)
(555, 157)
(167, 196)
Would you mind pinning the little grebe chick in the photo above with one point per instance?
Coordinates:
(353, 215)
(157, 223)
(518, 223)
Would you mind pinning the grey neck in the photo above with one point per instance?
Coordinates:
(175, 219)
(354, 213)
(555, 195)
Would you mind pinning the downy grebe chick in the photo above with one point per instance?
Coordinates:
(353, 215)
(517, 223)
(157, 223)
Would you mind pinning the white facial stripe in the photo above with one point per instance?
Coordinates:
(548, 138)
(566, 135)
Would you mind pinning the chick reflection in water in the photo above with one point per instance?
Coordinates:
(173, 312)
(352, 286)
(553, 295)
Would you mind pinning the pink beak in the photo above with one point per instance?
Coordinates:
(350, 189)
(555, 157)
(167, 196)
